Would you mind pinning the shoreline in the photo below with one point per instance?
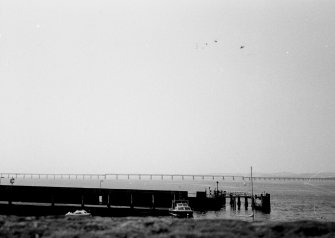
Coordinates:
(14, 226)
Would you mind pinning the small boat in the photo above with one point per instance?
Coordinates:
(78, 213)
(180, 208)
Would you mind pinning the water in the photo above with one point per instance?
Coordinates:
(290, 200)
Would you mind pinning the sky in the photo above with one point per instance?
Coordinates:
(167, 86)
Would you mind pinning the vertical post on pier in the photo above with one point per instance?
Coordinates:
(246, 202)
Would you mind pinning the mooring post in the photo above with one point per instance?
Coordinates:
(246, 202)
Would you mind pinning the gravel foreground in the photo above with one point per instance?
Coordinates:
(11, 226)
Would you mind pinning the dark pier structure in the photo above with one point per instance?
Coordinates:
(43, 200)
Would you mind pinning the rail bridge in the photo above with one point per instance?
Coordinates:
(140, 176)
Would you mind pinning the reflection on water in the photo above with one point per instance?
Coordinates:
(289, 200)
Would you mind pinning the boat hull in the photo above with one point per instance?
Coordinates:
(181, 214)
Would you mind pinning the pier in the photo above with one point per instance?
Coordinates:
(44, 200)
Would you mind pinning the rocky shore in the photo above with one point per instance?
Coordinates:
(11, 226)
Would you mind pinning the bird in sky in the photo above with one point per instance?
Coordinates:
(242, 46)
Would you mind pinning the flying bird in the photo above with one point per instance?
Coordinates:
(242, 46)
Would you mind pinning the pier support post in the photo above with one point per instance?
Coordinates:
(246, 203)
(131, 201)
(232, 202)
(108, 201)
(82, 201)
(238, 202)
(224, 198)
(266, 204)
(153, 201)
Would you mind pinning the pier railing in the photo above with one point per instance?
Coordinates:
(141, 176)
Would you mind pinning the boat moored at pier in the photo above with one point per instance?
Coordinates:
(180, 208)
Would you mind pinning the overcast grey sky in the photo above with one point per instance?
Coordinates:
(163, 86)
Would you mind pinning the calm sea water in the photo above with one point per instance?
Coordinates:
(290, 200)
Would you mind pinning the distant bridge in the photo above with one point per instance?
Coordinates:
(141, 176)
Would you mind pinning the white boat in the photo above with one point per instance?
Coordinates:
(180, 208)
(78, 213)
